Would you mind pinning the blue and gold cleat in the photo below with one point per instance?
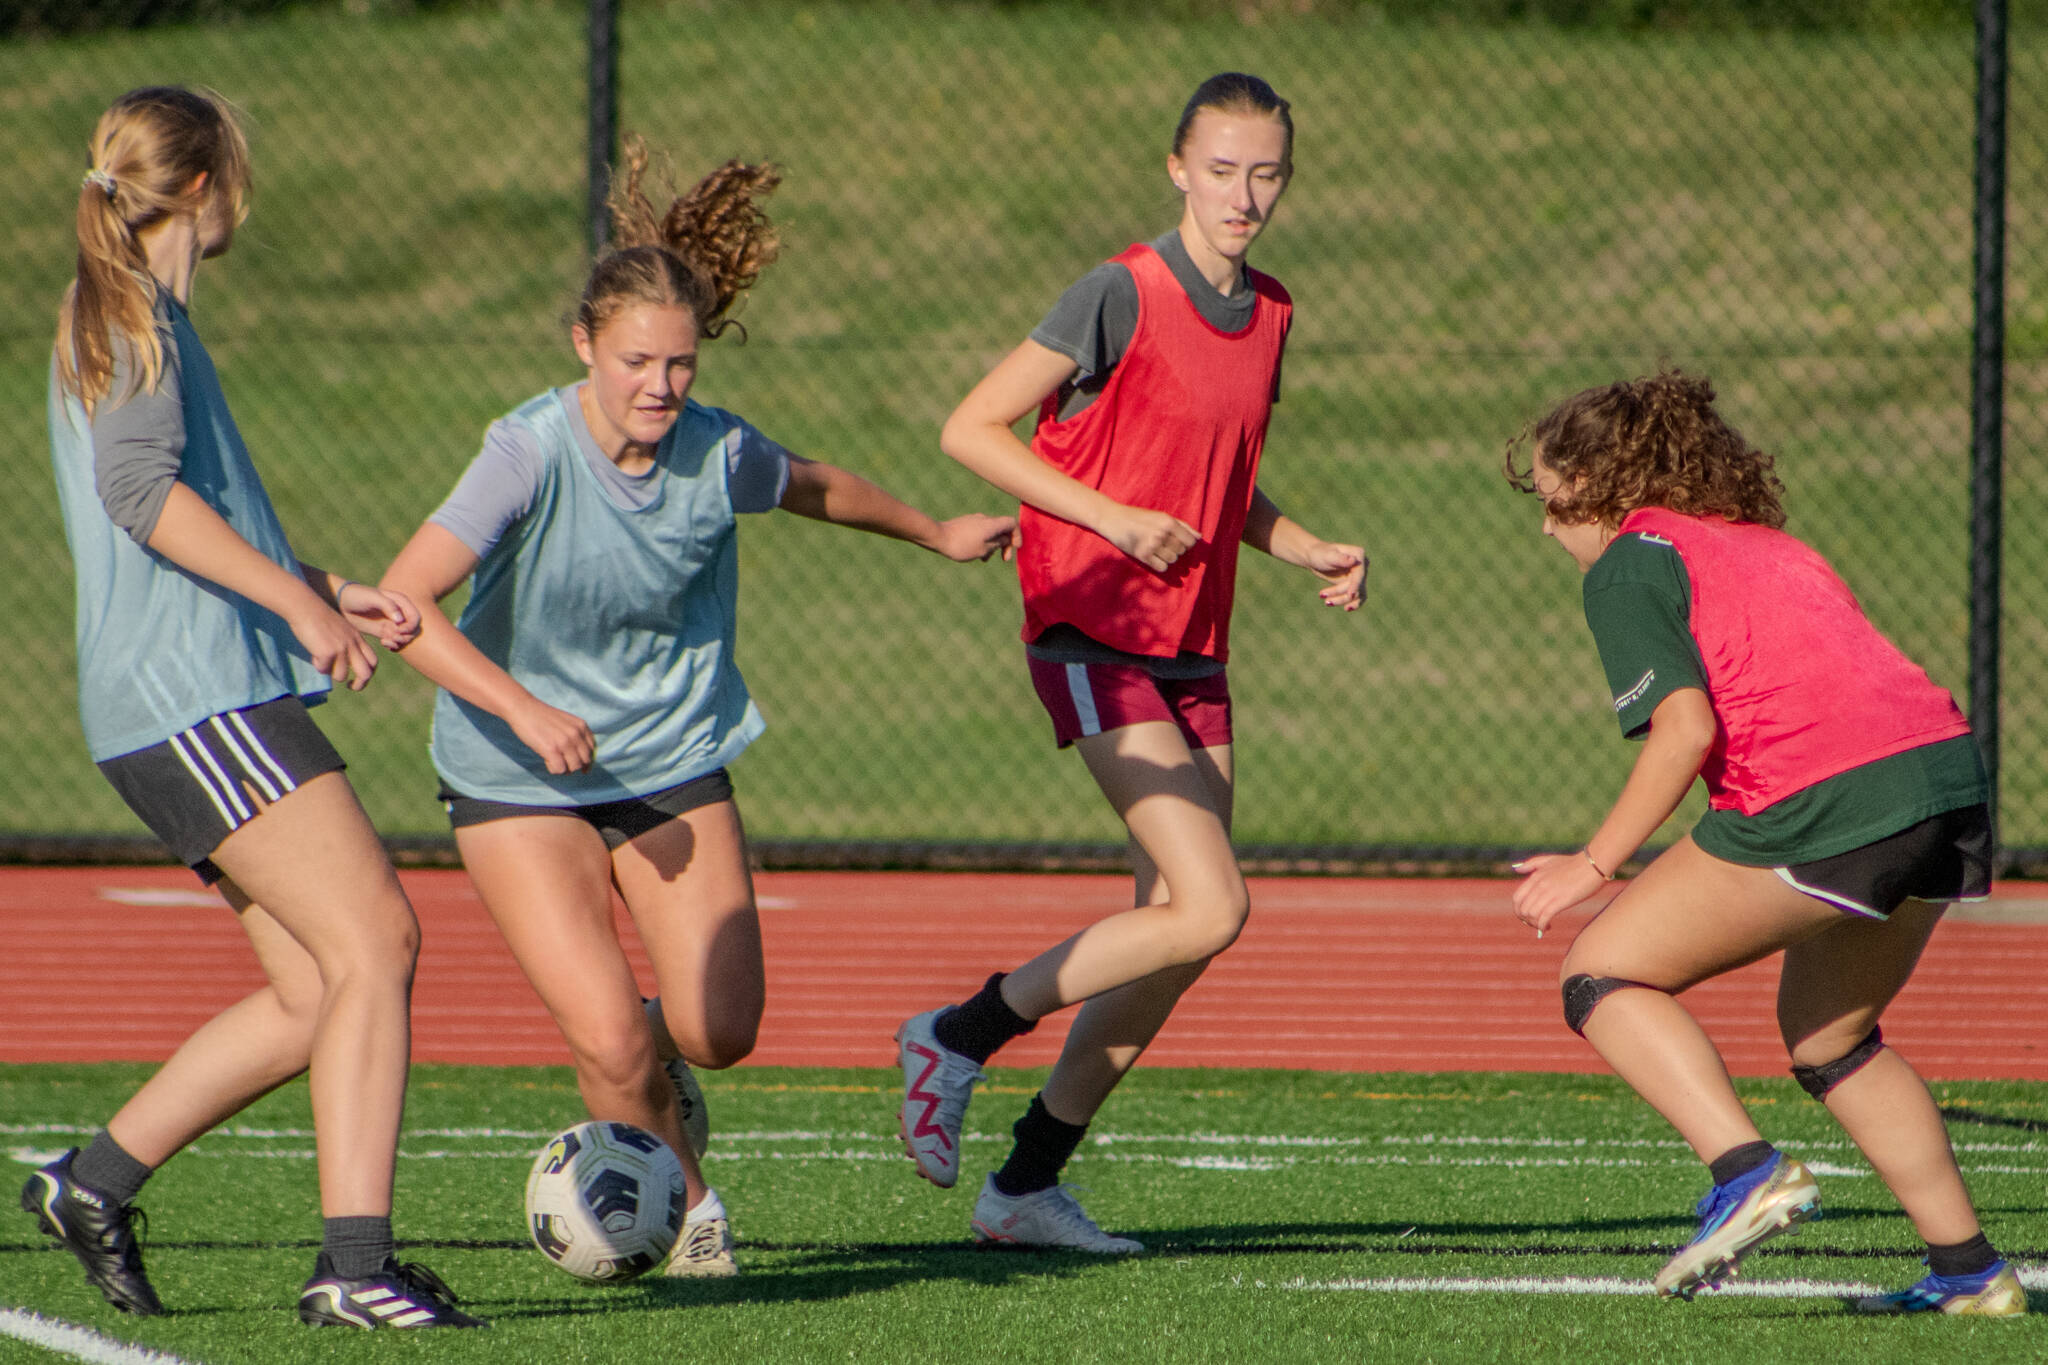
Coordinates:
(1735, 1219)
(1994, 1293)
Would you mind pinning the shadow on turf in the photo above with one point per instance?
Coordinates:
(812, 1274)
(822, 1271)
(1957, 1114)
(965, 1260)
(1428, 1239)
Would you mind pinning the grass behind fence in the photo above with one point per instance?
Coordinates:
(1483, 220)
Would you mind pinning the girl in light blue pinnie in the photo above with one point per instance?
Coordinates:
(202, 639)
(589, 697)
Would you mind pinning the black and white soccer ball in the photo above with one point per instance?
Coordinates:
(605, 1201)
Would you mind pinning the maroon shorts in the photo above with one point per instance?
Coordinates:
(1093, 699)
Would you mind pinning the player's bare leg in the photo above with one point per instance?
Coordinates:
(546, 881)
(233, 1059)
(1023, 1203)
(689, 890)
(1833, 989)
(1688, 917)
(1691, 916)
(243, 1052)
(1112, 1030)
(1164, 798)
(687, 885)
(313, 863)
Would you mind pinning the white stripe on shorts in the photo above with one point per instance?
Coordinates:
(256, 774)
(1834, 898)
(178, 745)
(1083, 698)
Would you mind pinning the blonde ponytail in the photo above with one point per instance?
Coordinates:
(148, 153)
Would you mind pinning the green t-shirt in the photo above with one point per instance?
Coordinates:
(1639, 603)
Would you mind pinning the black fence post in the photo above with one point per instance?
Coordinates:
(1987, 386)
(604, 113)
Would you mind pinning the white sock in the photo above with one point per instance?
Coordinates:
(708, 1207)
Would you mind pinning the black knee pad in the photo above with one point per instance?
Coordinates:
(1582, 992)
(1818, 1080)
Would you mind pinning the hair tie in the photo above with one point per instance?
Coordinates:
(96, 176)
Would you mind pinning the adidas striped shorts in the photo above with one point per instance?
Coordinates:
(202, 784)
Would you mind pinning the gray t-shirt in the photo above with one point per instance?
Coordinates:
(1094, 320)
(500, 484)
(138, 438)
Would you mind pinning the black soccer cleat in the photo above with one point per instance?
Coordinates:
(99, 1233)
(399, 1295)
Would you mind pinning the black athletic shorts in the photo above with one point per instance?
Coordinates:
(1945, 857)
(202, 784)
(617, 821)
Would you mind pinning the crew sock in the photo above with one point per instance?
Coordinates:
(106, 1168)
(979, 1025)
(358, 1247)
(1973, 1257)
(1043, 1145)
(1737, 1161)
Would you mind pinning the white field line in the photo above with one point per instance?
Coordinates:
(891, 1153)
(1248, 1152)
(2032, 1277)
(1110, 1139)
(77, 1343)
(236, 1130)
(1574, 1284)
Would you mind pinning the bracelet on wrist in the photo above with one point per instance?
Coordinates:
(345, 585)
(1605, 875)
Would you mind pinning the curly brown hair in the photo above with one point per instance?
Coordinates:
(1652, 442)
(703, 252)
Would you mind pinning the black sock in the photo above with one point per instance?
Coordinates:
(1740, 1160)
(1973, 1257)
(976, 1027)
(1043, 1145)
(108, 1171)
(356, 1248)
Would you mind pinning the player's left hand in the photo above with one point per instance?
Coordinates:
(390, 616)
(1553, 883)
(977, 536)
(1342, 569)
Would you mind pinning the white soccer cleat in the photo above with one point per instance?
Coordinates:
(1052, 1219)
(690, 1099)
(704, 1251)
(937, 1083)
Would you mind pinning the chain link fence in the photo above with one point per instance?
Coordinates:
(1483, 219)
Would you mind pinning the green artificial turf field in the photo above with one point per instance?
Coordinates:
(1290, 1216)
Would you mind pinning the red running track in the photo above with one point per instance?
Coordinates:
(1331, 974)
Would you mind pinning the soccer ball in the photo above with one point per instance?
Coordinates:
(605, 1201)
